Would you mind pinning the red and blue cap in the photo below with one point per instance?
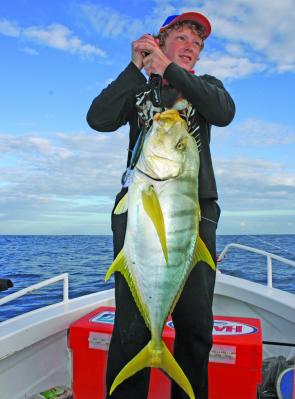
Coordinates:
(188, 16)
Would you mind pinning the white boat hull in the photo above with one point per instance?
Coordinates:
(34, 346)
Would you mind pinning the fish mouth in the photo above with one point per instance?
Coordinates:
(150, 177)
(150, 168)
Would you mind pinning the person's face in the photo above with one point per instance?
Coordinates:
(183, 47)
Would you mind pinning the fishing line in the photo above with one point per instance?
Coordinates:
(209, 220)
(273, 245)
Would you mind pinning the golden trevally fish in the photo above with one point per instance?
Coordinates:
(162, 244)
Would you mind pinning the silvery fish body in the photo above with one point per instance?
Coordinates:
(175, 182)
(161, 243)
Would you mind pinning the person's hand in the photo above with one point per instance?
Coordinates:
(147, 53)
(156, 62)
(139, 51)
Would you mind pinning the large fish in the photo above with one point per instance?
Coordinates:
(162, 244)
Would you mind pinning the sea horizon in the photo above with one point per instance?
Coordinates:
(28, 259)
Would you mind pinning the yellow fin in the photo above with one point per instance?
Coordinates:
(172, 368)
(201, 253)
(122, 205)
(152, 207)
(151, 357)
(120, 265)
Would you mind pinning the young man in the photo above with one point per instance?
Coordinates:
(205, 102)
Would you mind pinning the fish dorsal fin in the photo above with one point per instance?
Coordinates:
(122, 205)
(201, 253)
(152, 206)
(120, 264)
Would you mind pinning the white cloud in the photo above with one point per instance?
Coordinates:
(57, 36)
(60, 37)
(249, 31)
(266, 27)
(65, 165)
(228, 67)
(256, 133)
(110, 23)
(254, 184)
(9, 28)
(261, 133)
(30, 51)
(63, 184)
(74, 177)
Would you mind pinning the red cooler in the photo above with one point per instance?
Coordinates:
(235, 367)
(235, 359)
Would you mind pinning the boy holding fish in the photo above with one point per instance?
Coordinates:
(201, 101)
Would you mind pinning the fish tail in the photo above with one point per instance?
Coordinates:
(150, 356)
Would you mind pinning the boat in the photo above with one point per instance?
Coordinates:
(34, 349)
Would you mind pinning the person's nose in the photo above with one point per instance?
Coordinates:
(189, 46)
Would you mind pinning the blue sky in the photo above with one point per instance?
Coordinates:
(57, 176)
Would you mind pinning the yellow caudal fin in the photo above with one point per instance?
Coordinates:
(151, 357)
(152, 207)
(201, 253)
(172, 368)
(122, 205)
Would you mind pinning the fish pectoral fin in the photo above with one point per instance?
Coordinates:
(122, 205)
(201, 253)
(161, 358)
(119, 265)
(152, 206)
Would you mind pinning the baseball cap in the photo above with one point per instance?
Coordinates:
(188, 16)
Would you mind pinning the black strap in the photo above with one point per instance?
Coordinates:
(138, 146)
(155, 83)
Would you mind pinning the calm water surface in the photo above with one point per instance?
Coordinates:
(27, 260)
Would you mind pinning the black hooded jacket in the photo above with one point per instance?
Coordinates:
(115, 106)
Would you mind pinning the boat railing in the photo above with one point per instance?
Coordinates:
(269, 257)
(62, 277)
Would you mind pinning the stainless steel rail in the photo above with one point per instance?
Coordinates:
(269, 257)
(37, 286)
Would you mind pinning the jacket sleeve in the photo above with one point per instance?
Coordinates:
(205, 92)
(113, 107)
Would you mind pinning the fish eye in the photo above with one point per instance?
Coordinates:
(181, 145)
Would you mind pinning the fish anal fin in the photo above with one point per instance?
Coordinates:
(152, 207)
(120, 264)
(151, 357)
(201, 253)
(122, 205)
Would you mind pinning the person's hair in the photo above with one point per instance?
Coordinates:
(194, 26)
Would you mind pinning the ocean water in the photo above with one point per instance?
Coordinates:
(27, 260)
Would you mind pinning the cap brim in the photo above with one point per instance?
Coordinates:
(194, 17)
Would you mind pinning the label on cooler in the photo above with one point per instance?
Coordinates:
(97, 340)
(220, 327)
(226, 327)
(107, 317)
(223, 354)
